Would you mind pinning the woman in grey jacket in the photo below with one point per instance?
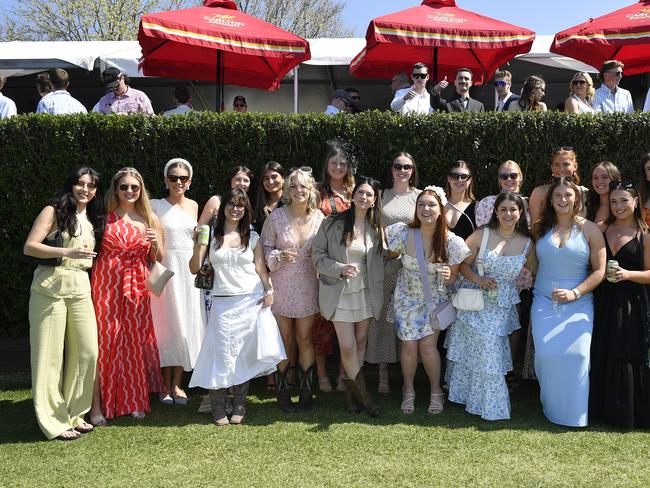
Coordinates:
(349, 254)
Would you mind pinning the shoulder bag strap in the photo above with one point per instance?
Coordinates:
(424, 271)
(332, 203)
(481, 251)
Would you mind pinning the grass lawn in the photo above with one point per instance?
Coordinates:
(177, 447)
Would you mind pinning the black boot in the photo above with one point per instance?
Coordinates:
(218, 400)
(351, 404)
(358, 387)
(239, 403)
(306, 395)
(282, 393)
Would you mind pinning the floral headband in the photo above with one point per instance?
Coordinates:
(438, 191)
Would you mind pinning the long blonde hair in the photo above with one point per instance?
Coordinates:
(142, 204)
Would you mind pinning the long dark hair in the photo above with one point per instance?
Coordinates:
(470, 189)
(593, 202)
(644, 184)
(65, 205)
(638, 216)
(373, 217)
(549, 217)
(522, 224)
(261, 209)
(414, 181)
(527, 100)
(243, 227)
(438, 248)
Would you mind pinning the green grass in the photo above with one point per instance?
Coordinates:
(178, 447)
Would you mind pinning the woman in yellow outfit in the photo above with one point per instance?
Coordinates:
(61, 314)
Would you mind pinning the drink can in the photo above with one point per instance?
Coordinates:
(611, 265)
(492, 294)
(204, 235)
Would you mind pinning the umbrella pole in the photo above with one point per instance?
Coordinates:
(220, 106)
(435, 65)
(295, 90)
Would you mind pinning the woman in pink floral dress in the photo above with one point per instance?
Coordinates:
(287, 240)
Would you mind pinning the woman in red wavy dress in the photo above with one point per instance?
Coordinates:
(128, 362)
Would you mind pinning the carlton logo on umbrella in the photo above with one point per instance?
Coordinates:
(223, 20)
(448, 18)
(642, 14)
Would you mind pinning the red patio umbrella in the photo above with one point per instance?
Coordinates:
(216, 42)
(443, 35)
(623, 34)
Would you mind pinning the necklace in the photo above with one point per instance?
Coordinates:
(506, 237)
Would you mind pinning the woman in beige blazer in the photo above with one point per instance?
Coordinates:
(349, 254)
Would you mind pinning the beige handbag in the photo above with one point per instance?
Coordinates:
(158, 277)
(471, 299)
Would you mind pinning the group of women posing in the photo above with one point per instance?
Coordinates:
(342, 260)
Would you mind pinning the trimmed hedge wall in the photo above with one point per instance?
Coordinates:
(37, 152)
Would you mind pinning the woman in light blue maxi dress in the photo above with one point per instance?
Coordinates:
(571, 257)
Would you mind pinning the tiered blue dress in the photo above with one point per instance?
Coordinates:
(562, 336)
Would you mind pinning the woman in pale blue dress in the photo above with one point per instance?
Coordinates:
(571, 256)
(478, 350)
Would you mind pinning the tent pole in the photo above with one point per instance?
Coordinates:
(295, 90)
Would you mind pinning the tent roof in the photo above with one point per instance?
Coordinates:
(18, 58)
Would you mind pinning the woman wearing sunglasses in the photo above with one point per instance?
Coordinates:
(461, 203)
(348, 253)
(397, 206)
(177, 313)
(602, 174)
(571, 263)
(620, 365)
(287, 242)
(581, 94)
(128, 365)
(61, 315)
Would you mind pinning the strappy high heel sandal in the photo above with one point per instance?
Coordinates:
(436, 403)
(408, 403)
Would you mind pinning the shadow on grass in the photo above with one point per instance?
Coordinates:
(20, 424)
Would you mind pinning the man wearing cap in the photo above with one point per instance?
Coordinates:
(7, 105)
(502, 84)
(183, 102)
(414, 98)
(609, 97)
(59, 101)
(460, 101)
(341, 102)
(121, 98)
(239, 104)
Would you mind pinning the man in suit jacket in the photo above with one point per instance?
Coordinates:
(461, 101)
(502, 84)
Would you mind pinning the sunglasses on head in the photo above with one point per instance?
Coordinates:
(563, 148)
(508, 176)
(304, 169)
(579, 82)
(460, 176)
(367, 179)
(175, 178)
(133, 188)
(563, 179)
(420, 76)
(402, 167)
(621, 185)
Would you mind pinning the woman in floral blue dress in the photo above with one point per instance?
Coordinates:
(416, 327)
(478, 351)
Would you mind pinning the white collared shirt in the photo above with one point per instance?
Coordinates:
(420, 104)
(502, 103)
(7, 107)
(180, 110)
(607, 102)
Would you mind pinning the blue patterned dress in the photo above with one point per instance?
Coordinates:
(478, 351)
(411, 316)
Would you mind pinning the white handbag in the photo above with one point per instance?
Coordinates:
(158, 277)
(471, 299)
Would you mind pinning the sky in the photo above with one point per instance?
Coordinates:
(545, 17)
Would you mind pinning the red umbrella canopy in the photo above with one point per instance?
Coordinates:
(623, 35)
(183, 44)
(396, 41)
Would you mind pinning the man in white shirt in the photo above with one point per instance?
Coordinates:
(502, 84)
(399, 81)
(183, 102)
(59, 101)
(415, 98)
(610, 97)
(7, 105)
(341, 102)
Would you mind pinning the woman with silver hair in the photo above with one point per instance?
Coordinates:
(178, 315)
(581, 94)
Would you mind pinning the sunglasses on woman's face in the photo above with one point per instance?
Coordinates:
(175, 178)
(508, 176)
(402, 167)
(579, 82)
(460, 176)
(133, 188)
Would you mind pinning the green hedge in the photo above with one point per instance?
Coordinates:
(36, 153)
